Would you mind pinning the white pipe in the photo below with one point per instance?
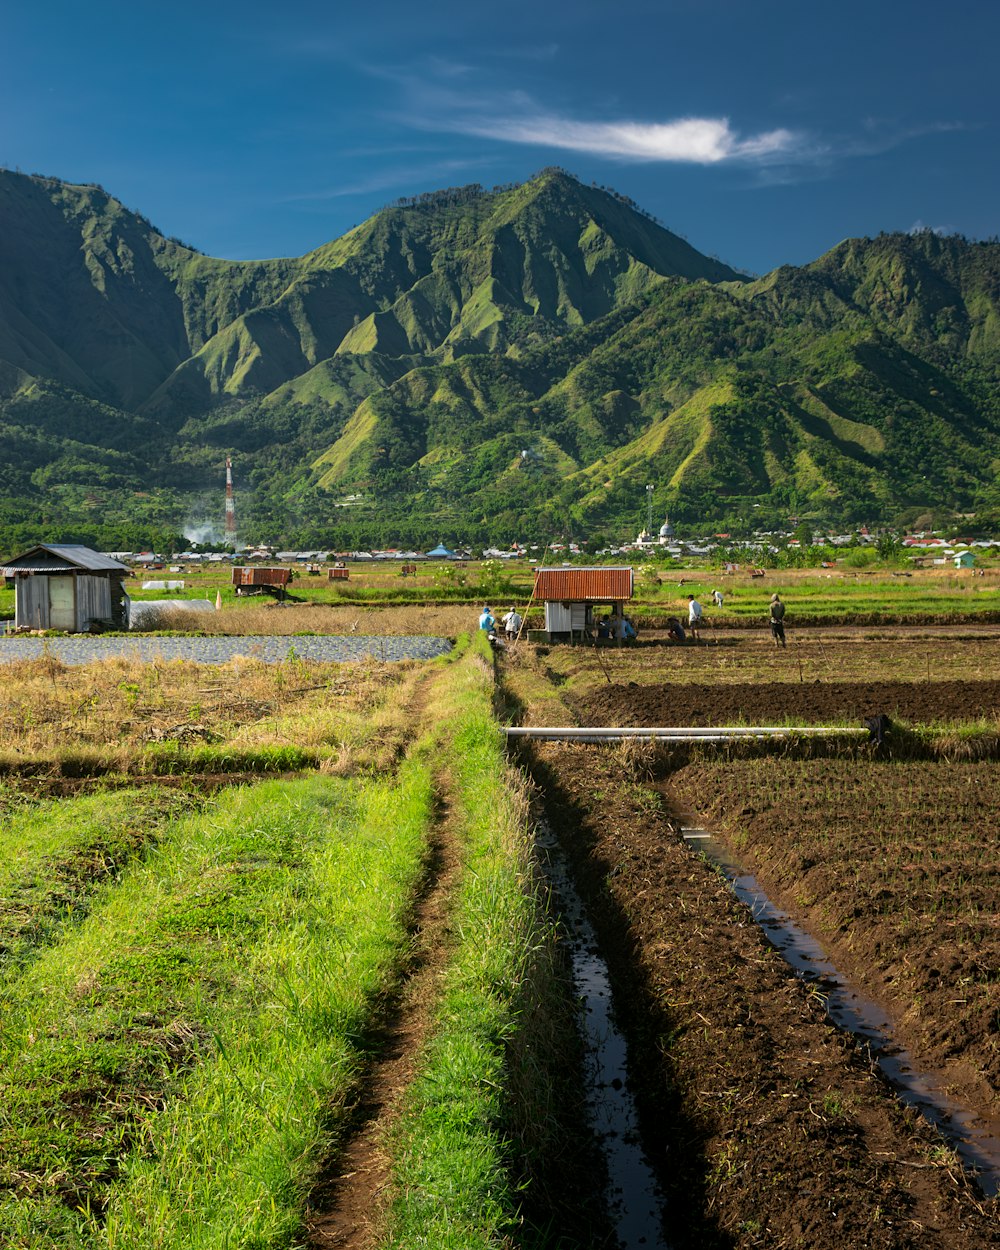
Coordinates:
(677, 731)
(707, 737)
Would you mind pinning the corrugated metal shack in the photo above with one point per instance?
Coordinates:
(69, 588)
(257, 581)
(571, 594)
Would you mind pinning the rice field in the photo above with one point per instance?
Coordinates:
(277, 968)
(192, 981)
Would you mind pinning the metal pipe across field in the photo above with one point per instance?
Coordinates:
(571, 733)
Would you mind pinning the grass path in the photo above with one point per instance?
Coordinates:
(311, 1009)
(346, 1205)
(458, 1122)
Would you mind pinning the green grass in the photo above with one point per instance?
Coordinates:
(168, 759)
(178, 1056)
(483, 1086)
(175, 1068)
(57, 857)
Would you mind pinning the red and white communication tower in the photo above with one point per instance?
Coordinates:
(230, 504)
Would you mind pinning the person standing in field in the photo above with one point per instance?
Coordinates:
(512, 624)
(695, 613)
(777, 621)
(487, 620)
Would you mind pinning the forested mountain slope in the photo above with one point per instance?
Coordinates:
(483, 364)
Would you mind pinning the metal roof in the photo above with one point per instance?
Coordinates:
(583, 585)
(47, 558)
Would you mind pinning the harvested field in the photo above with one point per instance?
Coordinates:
(127, 717)
(767, 1126)
(770, 1127)
(777, 702)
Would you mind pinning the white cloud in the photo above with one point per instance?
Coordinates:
(920, 227)
(514, 117)
(433, 103)
(692, 140)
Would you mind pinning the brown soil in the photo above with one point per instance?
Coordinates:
(904, 900)
(763, 703)
(767, 1126)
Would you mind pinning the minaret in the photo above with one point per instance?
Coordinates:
(230, 505)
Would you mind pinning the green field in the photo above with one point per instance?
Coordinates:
(191, 981)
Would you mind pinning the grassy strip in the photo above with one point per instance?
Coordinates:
(482, 1108)
(173, 1069)
(55, 857)
(167, 759)
(170, 758)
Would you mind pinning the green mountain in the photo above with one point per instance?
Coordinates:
(481, 365)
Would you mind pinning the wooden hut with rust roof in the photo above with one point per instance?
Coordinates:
(69, 588)
(570, 595)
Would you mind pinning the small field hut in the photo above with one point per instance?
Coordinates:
(69, 588)
(571, 594)
(251, 580)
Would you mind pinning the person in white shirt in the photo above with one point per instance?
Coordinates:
(512, 624)
(695, 613)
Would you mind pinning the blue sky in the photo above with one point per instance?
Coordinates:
(764, 131)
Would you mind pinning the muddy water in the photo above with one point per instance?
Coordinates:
(633, 1199)
(975, 1141)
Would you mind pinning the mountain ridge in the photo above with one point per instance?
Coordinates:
(527, 354)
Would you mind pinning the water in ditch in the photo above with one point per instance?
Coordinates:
(974, 1140)
(633, 1200)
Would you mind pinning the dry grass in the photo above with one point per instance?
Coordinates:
(283, 620)
(120, 707)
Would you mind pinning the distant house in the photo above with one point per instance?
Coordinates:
(964, 559)
(68, 588)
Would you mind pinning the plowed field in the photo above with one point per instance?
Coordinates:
(763, 703)
(767, 1125)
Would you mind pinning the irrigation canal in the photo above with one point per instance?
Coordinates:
(974, 1140)
(220, 649)
(633, 1199)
